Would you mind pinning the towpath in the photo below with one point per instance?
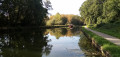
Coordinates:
(107, 37)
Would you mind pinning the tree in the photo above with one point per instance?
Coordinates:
(76, 20)
(61, 19)
(64, 20)
(100, 11)
(111, 11)
(23, 12)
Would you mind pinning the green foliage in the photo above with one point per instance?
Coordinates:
(90, 10)
(64, 20)
(23, 12)
(76, 20)
(111, 11)
(56, 20)
(100, 11)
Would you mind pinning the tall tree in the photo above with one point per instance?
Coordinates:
(23, 12)
(100, 11)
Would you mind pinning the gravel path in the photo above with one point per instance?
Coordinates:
(108, 37)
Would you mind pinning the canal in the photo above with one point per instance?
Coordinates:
(55, 42)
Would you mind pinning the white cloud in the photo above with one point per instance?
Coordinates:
(66, 6)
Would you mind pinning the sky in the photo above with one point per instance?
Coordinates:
(66, 6)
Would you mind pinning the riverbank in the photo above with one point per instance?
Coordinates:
(110, 29)
(103, 44)
(33, 27)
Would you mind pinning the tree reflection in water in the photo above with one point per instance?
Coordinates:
(24, 43)
(87, 47)
(72, 39)
(61, 32)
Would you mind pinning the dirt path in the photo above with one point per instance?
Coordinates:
(108, 37)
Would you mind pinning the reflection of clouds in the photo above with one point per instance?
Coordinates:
(6, 14)
(0, 4)
(6, 39)
(76, 51)
(1, 11)
(65, 47)
(2, 0)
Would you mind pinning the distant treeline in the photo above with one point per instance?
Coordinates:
(62, 19)
(100, 11)
(23, 12)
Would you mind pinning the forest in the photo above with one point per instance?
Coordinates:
(100, 12)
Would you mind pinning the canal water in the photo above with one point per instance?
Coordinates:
(55, 42)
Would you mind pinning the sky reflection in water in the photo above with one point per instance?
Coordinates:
(57, 42)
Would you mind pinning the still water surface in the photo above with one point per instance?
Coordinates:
(56, 42)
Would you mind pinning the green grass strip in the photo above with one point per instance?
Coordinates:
(113, 49)
(110, 29)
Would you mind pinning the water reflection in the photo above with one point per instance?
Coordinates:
(87, 47)
(61, 32)
(70, 43)
(65, 42)
(57, 42)
(24, 43)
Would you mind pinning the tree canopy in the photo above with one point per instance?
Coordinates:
(23, 12)
(62, 19)
(100, 11)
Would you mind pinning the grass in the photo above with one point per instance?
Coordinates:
(110, 29)
(113, 49)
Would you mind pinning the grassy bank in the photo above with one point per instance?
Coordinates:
(111, 29)
(114, 50)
